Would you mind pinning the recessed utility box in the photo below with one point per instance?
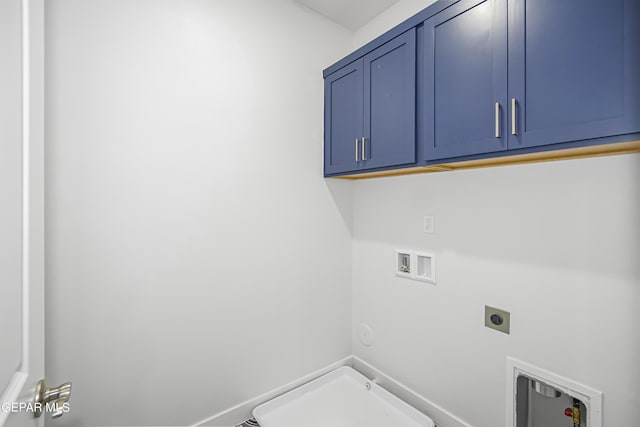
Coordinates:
(539, 398)
(415, 265)
(541, 405)
(403, 263)
(425, 267)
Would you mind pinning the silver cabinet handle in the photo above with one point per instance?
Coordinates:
(357, 151)
(364, 145)
(497, 120)
(513, 116)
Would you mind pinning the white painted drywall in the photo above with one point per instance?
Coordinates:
(388, 19)
(351, 14)
(196, 258)
(556, 244)
(184, 134)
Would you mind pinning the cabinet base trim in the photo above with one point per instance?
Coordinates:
(545, 156)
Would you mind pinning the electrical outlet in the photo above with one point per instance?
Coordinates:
(428, 224)
(497, 319)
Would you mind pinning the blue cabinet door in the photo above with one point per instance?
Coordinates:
(390, 103)
(343, 119)
(574, 70)
(465, 79)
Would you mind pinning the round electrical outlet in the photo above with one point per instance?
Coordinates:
(496, 319)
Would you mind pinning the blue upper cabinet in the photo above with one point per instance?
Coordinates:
(343, 119)
(565, 72)
(390, 103)
(370, 110)
(574, 70)
(465, 79)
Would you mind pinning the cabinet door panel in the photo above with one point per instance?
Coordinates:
(343, 118)
(465, 76)
(389, 100)
(574, 68)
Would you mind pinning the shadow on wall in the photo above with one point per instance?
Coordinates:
(635, 209)
(564, 214)
(342, 193)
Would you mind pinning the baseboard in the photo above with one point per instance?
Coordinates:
(437, 413)
(239, 413)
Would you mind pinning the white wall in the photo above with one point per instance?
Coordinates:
(195, 252)
(196, 258)
(556, 244)
(388, 19)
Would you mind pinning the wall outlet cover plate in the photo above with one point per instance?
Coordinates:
(428, 224)
(497, 319)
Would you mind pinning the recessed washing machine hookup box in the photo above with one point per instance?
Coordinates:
(539, 398)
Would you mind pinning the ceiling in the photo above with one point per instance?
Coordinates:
(351, 14)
